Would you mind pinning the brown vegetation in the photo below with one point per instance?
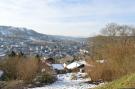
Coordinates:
(118, 53)
(26, 69)
(20, 68)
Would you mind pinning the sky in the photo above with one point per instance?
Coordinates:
(66, 17)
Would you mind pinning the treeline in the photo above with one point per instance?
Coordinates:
(112, 53)
(114, 29)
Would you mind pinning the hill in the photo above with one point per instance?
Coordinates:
(9, 31)
(31, 42)
(126, 82)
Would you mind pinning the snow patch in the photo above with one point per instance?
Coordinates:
(64, 82)
(1, 73)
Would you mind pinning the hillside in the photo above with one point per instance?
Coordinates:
(31, 42)
(9, 31)
(124, 82)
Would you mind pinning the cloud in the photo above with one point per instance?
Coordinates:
(66, 17)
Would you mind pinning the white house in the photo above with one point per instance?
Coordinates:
(76, 64)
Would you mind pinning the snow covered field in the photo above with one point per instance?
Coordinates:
(65, 82)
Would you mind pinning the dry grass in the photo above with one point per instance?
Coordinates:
(14, 84)
(20, 68)
(119, 56)
(27, 69)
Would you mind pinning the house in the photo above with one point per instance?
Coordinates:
(77, 66)
(46, 67)
(48, 64)
(59, 68)
(50, 60)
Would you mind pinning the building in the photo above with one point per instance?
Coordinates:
(77, 66)
(59, 68)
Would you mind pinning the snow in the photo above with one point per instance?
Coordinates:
(2, 54)
(65, 82)
(1, 73)
(58, 66)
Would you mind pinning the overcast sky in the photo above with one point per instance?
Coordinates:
(66, 17)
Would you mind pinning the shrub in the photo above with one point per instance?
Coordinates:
(118, 53)
(21, 68)
(46, 78)
(9, 67)
(27, 69)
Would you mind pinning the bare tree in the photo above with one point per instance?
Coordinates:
(110, 29)
(125, 30)
(114, 29)
(133, 31)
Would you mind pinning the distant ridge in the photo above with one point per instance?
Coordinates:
(18, 32)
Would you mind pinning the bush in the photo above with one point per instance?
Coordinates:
(19, 68)
(118, 54)
(46, 78)
(27, 69)
(9, 66)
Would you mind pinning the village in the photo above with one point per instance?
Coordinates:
(67, 44)
(70, 72)
(69, 76)
(40, 47)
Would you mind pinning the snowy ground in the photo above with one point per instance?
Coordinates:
(65, 82)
